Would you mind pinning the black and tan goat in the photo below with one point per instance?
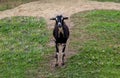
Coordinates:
(61, 35)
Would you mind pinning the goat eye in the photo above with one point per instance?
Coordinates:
(62, 18)
(56, 19)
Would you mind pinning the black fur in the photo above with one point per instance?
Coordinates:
(61, 37)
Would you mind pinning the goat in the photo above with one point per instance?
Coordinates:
(61, 35)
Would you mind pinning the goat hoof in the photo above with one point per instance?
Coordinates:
(56, 65)
(62, 64)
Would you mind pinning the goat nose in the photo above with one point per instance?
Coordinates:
(59, 24)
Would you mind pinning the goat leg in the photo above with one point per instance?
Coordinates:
(56, 56)
(63, 54)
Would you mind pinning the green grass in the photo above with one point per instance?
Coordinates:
(8, 4)
(23, 45)
(95, 36)
(108, 0)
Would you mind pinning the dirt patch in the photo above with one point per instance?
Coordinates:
(50, 8)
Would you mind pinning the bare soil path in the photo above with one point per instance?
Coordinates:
(50, 8)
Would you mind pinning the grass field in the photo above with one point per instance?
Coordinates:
(8, 4)
(108, 0)
(23, 45)
(96, 38)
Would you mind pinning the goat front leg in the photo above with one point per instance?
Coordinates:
(63, 54)
(57, 54)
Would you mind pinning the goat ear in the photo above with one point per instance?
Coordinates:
(52, 18)
(65, 18)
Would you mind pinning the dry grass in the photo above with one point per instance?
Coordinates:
(8, 4)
